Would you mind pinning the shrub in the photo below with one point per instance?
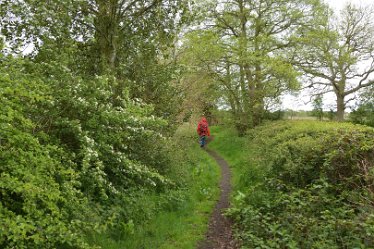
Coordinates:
(317, 190)
(74, 157)
(39, 198)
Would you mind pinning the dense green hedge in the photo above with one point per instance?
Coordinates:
(76, 158)
(307, 185)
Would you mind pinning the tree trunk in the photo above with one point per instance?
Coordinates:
(258, 111)
(258, 99)
(246, 115)
(106, 24)
(340, 107)
(244, 91)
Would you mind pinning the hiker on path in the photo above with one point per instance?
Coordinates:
(203, 131)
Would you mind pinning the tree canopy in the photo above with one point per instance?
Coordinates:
(338, 55)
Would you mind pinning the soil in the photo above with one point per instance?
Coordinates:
(219, 235)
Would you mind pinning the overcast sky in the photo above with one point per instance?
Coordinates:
(338, 4)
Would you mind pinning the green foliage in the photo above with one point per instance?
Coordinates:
(175, 218)
(38, 182)
(318, 107)
(331, 51)
(364, 113)
(243, 51)
(76, 158)
(323, 149)
(274, 115)
(131, 42)
(85, 121)
(305, 185)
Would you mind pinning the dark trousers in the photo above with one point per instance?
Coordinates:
(202, 141)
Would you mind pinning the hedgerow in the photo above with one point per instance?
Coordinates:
(38, 183)
(313, 189)
(76, 157)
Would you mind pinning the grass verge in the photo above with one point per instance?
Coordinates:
(233, 148)
(178, 217)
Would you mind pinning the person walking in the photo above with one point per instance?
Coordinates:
(203, 131)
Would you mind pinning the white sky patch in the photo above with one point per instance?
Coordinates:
(337, 5)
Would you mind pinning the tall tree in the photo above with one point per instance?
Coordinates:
(127, 40)
(339, 54)
(253, 37)
(261, 31)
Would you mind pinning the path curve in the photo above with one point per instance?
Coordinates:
(219, 235)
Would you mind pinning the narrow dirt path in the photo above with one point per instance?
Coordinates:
(219, 235)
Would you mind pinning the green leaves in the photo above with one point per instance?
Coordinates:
(84, 119)
(315, 190)
(242, 48)
(331, 54)
(35, 187)
(70, 152)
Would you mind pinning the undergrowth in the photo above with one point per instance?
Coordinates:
(176, 218)
(302, 184)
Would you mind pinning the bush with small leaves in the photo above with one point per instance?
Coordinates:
(316, 190)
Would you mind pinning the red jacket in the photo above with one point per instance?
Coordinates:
(200, 130)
